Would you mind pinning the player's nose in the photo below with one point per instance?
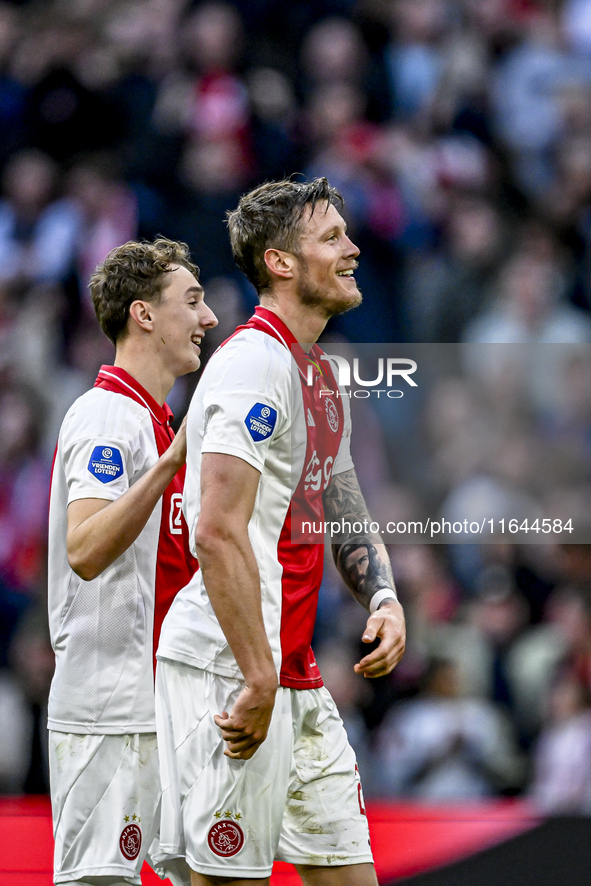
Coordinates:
(207, 318)
(350, 249)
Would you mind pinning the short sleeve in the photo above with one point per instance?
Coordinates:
(99, 443)
(246, 402)
(96, 468)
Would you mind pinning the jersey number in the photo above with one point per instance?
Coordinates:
(176, 513)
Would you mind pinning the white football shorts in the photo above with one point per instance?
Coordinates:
(298, 799)
(105, 796)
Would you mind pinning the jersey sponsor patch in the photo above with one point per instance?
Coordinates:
(130, 841)
(261, 421)
(225, 838)
(105, 463)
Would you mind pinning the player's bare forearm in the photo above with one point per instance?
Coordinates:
(364, 565)
(100, 531)
(360, 557)
(231, 577)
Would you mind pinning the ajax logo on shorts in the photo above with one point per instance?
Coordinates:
(226, 837)
(130, 841)
(260, 421)
(105, 463)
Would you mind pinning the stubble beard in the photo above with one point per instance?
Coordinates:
(315, 300)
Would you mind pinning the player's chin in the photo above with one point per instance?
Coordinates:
(192, 363)
(346, 303)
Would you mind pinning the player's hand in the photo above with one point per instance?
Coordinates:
(246, 726)
(177, 451)
(388, 626)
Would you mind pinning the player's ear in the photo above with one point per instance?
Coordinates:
(280, 263)
(140, 312)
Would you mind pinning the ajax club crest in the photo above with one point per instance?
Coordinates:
(225, 837)
(332, 414)
(130, 841)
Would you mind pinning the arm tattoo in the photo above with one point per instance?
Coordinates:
(359, 554)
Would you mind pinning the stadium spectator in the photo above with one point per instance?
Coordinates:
(529, 306)
(440, 746)
(37, 226)
(561, 781)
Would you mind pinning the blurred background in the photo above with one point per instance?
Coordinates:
(459, 133)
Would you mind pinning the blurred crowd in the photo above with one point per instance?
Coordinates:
(459, 133)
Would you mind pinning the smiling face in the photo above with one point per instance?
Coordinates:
(181, 319)
(325, 263)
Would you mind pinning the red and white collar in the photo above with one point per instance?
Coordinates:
(113, 378)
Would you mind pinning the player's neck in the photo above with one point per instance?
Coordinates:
(305, 325)
(146, 368)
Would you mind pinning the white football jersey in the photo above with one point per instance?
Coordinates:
(250, 403)
(102, 630)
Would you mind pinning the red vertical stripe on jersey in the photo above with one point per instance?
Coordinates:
(303, 563)
(175, 564)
